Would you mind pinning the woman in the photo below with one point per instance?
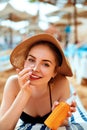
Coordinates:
(40, 84)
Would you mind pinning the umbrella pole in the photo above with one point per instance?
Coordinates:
(11, 38)
(75, 22)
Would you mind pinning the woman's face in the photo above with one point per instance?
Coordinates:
(43, 61)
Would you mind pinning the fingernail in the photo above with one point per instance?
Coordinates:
(28, 81)
(30, 72)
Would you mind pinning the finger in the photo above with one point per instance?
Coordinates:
(55, 104)
(72, 109)
(25, 77)
(27, 83)
(17, 70)
(69, 114)
(27, 86)
(65, 122)
(24, 71)
(74, 103)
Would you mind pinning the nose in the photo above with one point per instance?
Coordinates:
(36, 67)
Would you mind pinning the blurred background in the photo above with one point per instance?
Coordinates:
(65, 19)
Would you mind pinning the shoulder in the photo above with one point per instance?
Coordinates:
(62, 87)
(61, 80)
(10, 92)
(12, 78)
(12, 85)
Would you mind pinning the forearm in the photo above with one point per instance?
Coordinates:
(10, 118)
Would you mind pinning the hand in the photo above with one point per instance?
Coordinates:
(54, 105)
(23, 78)
(72, 108)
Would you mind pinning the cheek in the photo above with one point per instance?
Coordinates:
(48, 72)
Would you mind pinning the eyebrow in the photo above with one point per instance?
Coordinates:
(43, 60)
(31, 56)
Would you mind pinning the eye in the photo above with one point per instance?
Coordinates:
(31, 60)
(46, 64)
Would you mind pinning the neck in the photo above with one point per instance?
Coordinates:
(39, 91)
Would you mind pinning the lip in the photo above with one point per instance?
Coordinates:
(34, 77)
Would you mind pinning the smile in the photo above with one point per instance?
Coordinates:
(34, 77)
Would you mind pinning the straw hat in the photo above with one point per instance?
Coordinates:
(17, 56)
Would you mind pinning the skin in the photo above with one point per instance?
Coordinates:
(28, 90)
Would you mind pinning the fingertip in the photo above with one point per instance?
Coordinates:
(30, 72)
(17, 70)
(69, 114)
(56, 102)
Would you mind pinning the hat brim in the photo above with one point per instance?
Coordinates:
(17, 56)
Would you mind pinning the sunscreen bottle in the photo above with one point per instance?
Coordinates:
(59, 114)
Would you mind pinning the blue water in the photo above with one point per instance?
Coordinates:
(4, 58)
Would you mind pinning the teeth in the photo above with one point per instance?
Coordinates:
(34, 76)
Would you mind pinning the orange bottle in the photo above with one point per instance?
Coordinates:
(58, 115)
